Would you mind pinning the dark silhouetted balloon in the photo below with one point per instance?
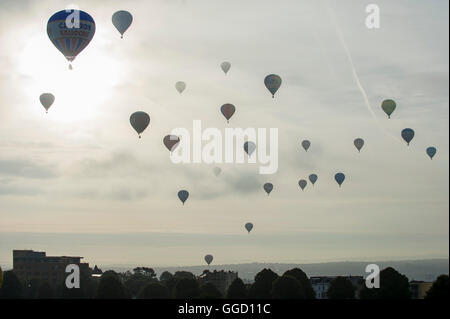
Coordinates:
(249, 147)
(431, 151)
(313, 178)
(47, 100)
(209, 259)
(217, 171)
(408, 135)
(183, 195)
(227, 110)
(171, 142)
(306, 144)
(122, 21)
(249, 227)
(388, 107)
(272, 83)
(359, 143)
(302, 183)
(339, 177)
(139, 121)
(268, 188)
(225, 66)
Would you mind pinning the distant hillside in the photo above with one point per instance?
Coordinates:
(426, 270)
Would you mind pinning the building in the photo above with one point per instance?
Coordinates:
(34, 266)
(320, 284)
(220, 279)
(419, 289)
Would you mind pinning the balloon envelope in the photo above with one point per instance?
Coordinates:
(407, 135)
(227, 110)
(139, 121)
(359, 143)
(302, 183)
(225, 66)
(431, 151)
(217, 171)
(171, 142)
(69, 36)
(339, 177)
(268, 187)
(249, 227)
(47, 100)
(180, 86)
(306, 144)
(388, 107)
(272, 83)
(313, 178)
(249, 147)
(209, 259)
(122, 21)
(183, 195)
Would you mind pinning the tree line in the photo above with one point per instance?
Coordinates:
(142, 283)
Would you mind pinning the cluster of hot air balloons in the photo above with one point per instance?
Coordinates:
(72, 30)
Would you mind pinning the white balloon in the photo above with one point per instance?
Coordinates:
(180, 86)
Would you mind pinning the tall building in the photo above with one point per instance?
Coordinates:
(31, 265)
(220, 279)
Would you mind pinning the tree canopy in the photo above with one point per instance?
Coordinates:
(341, 288)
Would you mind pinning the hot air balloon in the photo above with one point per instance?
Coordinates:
(227, 110)
(313, 178)
(302, 183)
(306, 144)
(217, 171)
(139, 121)
(70, 31)
(272, 83)
(47, 100)
(268, 188)
(359, 143)
(180, 86)
(171, 142)
(122, 21)
(209, 259)
(339, 177)
(388, 107)
(249, 147)
(431, 151)
(407, 135)
(183, 195)
(249, 227)
(225, 66)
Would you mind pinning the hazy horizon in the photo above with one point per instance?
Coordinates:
(78, 181)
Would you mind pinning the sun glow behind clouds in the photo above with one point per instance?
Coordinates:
(79, 93)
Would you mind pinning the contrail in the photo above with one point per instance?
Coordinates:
(355, 74)
(350, 60)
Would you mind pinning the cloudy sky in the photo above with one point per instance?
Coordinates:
(78, 181)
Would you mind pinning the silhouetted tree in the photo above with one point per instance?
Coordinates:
(186, 288)
(305, 284)
(237, 290)
(11, 288)
(45, 291)
(154, 290)
(145, 271)
(184, 275)
(209, 291)
(287, 287)
(341, 288)
(136, 281)
(110, 287)
(262, 287)
(439, 289)
(165, 276)
(393, 285)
